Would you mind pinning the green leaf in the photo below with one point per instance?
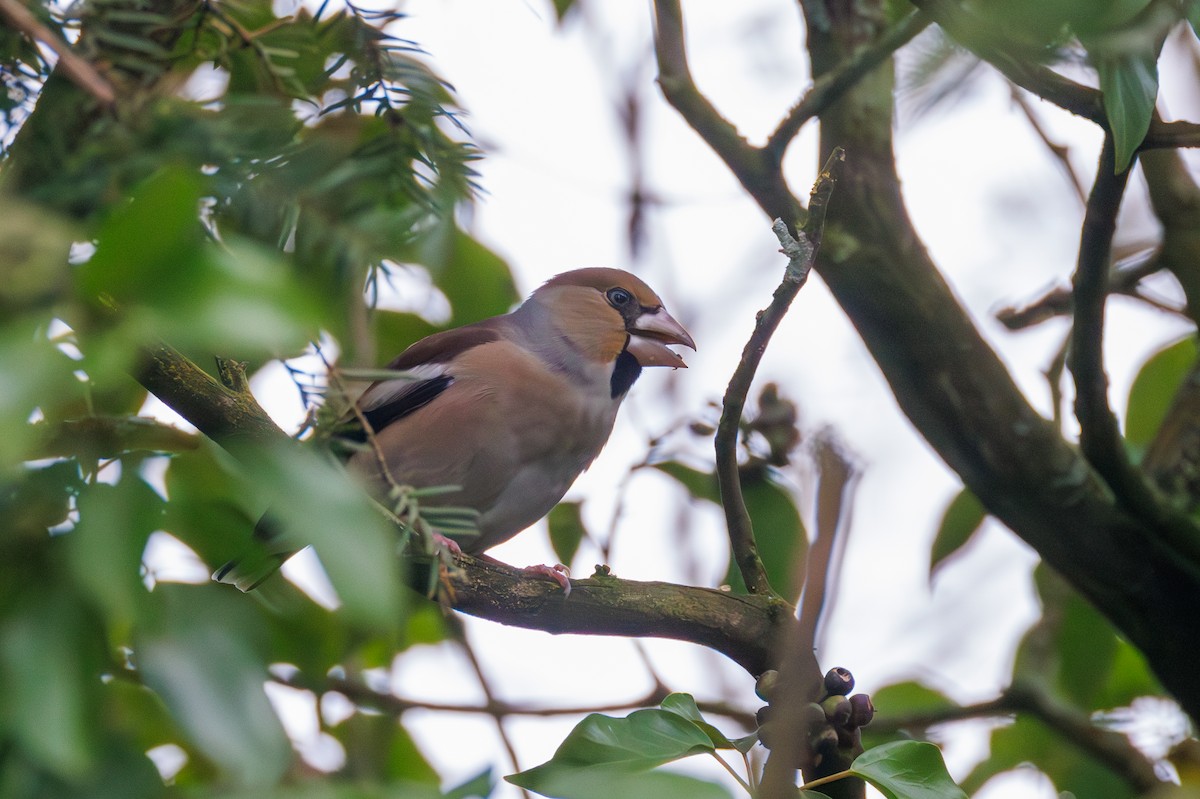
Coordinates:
(106, 546)
(901, 700)
(1154, 388)
(480, 785)
(379, 749)
(907, 770)
(394, 331)
(562, 8)
(605, 783)
(566, 530)
(51, 656)
(198, 656)
(778, 529)
(477, 282)
(962, 519)
(145, 249)
(603, 744)
(1027, 741)
(685, 705)
(1129, 83)
(317, 502)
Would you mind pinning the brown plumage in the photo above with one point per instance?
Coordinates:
(515, 407)
(512, 409)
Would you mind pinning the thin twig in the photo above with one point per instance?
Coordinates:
(485, 685)
(829, 87)
(1075, 727)
(837, 480)
(801, 254)
(362, 694)
(754, 168)
(1124, 278)
(1061, 153)
(79, 70)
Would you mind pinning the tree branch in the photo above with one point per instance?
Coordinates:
(801, 255)
(830, 86)
(1108, 747)
(980, 38)
(1099, 433)
(79, 70)
(740, 627)
(754, 168)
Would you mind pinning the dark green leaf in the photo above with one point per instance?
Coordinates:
(1070, 769)
(106, 546)
(394, 331)
(684, 705)
(146, 248)
(907, 770)
(1153, 389)
(778, 529)
(901, 700)
(1129, 82)
(602, 744)
(51, 655)
(562, 8)
(566, 530)
(963, 517)
(379, 749)
(317, 502)
(476, 281)
(199, 657)
(598, 782)
(480, 785)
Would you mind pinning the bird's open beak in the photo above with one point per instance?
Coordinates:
(649, 336)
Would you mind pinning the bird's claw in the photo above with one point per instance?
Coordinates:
(558, 573)
(448, 544)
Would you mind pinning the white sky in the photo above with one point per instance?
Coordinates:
(999, 218)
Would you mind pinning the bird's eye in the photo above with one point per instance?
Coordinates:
(619, 297)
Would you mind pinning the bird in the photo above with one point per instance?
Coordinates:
(507, 412)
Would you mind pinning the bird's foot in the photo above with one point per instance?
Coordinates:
(558, 573)
(447, 544)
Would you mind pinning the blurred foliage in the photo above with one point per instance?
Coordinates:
(256, 173)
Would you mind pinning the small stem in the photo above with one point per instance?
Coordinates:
(828, 778)
(732, 773)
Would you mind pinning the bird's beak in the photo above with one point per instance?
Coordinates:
(649, 336)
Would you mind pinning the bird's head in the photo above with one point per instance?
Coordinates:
(605, 312)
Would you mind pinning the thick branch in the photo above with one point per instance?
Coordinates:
(1099, 433)
(948, 381)
(740, 627)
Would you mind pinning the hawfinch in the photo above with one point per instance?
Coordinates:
(514, 408)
